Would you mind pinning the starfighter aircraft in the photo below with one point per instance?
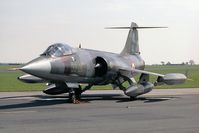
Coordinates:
(74, 70)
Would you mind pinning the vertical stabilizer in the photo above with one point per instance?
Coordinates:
(131, 46)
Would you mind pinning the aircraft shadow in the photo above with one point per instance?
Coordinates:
(45, 100)
(34, 103)
(119, 98)
(147, 99)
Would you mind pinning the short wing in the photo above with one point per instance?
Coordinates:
(147, 72)
(169, 79)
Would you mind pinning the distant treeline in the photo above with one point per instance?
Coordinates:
(174, 65)
(166, 64)
(11, 63)
(190, 62)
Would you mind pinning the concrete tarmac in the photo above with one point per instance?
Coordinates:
(160, 111)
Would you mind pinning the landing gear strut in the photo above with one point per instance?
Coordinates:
(75, 95)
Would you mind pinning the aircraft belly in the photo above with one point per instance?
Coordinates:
(72, 78)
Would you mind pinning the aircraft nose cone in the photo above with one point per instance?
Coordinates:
(37, 67)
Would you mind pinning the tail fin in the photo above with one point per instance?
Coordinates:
(132, 45)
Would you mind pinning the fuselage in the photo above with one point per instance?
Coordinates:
(83, 66)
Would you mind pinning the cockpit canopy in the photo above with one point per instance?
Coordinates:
(57, 50)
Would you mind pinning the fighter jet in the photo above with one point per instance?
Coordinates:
(74, 70)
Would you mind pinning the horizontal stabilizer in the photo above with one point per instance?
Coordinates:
(133, 27)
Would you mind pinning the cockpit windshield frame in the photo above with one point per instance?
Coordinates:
(58, 50)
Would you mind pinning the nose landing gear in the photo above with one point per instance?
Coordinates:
(75, 95)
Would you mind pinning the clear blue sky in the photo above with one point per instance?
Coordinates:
(27, 27)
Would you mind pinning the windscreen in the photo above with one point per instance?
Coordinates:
(57, 50)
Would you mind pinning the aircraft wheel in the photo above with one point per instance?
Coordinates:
(75, 95)
(133, 98)
(78, 93)
(73, 99)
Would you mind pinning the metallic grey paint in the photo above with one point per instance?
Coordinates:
(62, 65)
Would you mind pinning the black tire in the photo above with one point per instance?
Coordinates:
(133, 98)
(78, 93)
